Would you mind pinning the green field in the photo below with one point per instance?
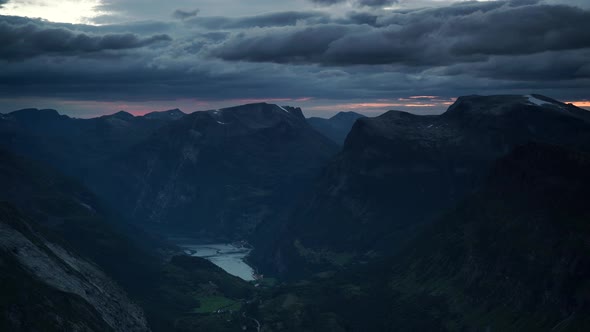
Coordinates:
(210, 304)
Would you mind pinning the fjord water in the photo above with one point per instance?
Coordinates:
(227, 256)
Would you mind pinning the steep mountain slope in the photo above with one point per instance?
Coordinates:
(398, 171)
(512, 257)
(521, 244)
(45, 286)
(69, 216)
(337, 127)
(71, 211)
(223, 172)
(48, 287)
(73, 145)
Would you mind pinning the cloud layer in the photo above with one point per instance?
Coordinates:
(23, 41)
(359, 3)
(468, 33)
(184, 14)
(364, 53)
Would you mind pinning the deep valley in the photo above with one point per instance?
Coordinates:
(473, 219)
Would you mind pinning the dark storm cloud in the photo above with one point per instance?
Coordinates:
(21, 41)
(327, 2)
(360, 3)
(460, 33)
(360, 18)
(135, 79)
(376, 3)
(184, 14)
(522, 30)
(470, 47)
(541, 67)
(293, 45)
(279, 19)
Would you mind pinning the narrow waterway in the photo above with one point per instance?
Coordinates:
(227, 256)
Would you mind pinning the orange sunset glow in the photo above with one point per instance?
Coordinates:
(580, 103)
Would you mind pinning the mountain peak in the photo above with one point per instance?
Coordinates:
(533, 105)
(120, 115)
(263, 107)
(172, 114)
(258, 115)
(502, 104)
(28, 112)
(34, 115)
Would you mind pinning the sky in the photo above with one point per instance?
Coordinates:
(92, 57)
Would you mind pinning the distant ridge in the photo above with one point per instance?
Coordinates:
(224, 172)
(399, 171)
(72, 144)
(173, 114)
(337, 127)
(120, 115)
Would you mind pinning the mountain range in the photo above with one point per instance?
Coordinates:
(72, 145)
(398, 172)
(510, 257)
(216, 173)
(472, 220)
(67, 259)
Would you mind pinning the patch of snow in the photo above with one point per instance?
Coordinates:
(537, 101)
(216, 116)
(88, 207)
(281, 107)
(430, 126)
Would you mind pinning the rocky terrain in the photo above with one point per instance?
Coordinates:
(61, 220)
(72, 294)
(510, 257)
(473, 220)
(399, 171)
(337, 127)
(73, 145)
(217, 173)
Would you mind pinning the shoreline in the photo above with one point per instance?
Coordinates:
(231, 257)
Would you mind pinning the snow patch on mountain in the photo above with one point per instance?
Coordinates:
(537, 101)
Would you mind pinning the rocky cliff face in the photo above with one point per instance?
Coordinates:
(511, 257)
(222, 172)
(399, 171)
(86, 299)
